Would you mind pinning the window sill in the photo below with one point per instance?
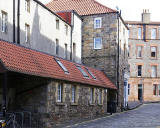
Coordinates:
(74, 104)
(153, 58)
(92, 104)
(60, 103)
(100, 104)
(139, 58)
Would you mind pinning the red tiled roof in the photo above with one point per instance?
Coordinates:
(23, 60)
(82, 7)
(66, 16)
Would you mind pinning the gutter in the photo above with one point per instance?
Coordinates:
(72, 26)
(118, 16)
(13, 21)
(18, 22)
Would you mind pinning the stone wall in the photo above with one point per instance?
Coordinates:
(48, 112)
(146, 61)
(106, 59)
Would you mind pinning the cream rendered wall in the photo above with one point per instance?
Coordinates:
(77, 36)
(43, 32)
(7, 6)
(43, 29)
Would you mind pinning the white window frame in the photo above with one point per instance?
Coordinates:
(27, 33)
(100, 96)
(92, 96)
(139, 51)
(27, 6)
(153, 33)
(57, 47)
(65, 51)
(59, 93)
(4, 22)
(98, 25)
(154, 49)
(57, 23)
(73, 94)
(139, 33)
(153, 72)
(97, 42)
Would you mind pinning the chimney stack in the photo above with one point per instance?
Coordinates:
(146, 16)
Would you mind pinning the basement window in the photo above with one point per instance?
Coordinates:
(62, 66)
(82, 71)
(90, 73)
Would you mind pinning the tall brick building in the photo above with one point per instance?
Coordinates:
(104, 39)
(144, 59)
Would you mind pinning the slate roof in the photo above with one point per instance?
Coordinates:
(23, 60)
(82, 7)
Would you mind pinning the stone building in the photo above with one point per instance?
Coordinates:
(144, 59)
(104, 40)
(35, 26)
(51, 88)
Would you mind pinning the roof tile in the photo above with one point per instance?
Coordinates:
(27, 61)
(82, 7)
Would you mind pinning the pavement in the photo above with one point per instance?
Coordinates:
(145, 116)
(134, 104)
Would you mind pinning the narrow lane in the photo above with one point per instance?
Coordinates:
(147, 116)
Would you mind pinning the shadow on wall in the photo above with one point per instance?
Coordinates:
(38, 41)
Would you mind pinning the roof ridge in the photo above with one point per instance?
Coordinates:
(104, 6)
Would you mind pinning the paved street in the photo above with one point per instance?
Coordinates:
(146, 116)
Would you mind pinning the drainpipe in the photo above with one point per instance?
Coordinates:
(18, 22)
(118, 15)
(4, 101)
(72, 25)
(13, 21)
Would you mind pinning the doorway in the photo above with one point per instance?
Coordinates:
(140, 92)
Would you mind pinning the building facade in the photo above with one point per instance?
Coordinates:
(31, 24)
(144, 59)
(104, 40)
(52, 92)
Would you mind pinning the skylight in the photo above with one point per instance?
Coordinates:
(82, 71)
(91, 73)
(62, 66)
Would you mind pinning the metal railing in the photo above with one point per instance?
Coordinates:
(19, 119)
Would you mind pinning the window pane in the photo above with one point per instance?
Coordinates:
(59, 93)
(153, 51)
(153, 33)
(154, 71)
(139, 70)
(154, 89)
(57, 24)
(73, 94)
(65, 52)
(4, 22)
(91, 73)
(139, 51)
(92, 96)
(128, 89)
(97, 43)
(82, 71)
(97, 23)
(62, 66)
(27, 33)
(139, 33)
(100, 96)
(57, 46)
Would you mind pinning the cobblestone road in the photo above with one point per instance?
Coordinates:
(146, 116)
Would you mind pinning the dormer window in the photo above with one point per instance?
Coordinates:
(90, 73)
(82, 71)
(62, 66)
